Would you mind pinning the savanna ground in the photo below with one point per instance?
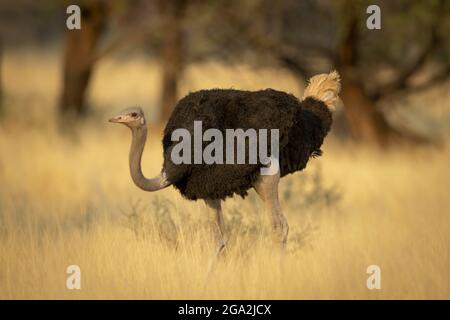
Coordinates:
(68, 199)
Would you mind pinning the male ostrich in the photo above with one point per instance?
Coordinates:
(302, 124)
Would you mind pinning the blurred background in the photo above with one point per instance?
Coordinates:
(187, 45)
(377, 196)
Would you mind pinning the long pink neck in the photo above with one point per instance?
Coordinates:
(139, 136)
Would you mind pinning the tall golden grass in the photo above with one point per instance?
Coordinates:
(68, 200)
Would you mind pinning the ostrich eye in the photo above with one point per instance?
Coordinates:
(134, 114)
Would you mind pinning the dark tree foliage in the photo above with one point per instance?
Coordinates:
(309, 37)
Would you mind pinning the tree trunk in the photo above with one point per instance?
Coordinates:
(1, 76)
(80, 47)
(366, 122)
(172, 54)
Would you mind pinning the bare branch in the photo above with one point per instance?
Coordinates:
(293, 57)
(402, 81)
(436, 79)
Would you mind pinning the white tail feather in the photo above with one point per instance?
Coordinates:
(325, 87)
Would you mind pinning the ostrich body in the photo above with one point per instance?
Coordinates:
(302, 124)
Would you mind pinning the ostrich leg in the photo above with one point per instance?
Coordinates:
(219, 227)
(267, 188)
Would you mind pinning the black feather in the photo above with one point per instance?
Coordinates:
(302, 128)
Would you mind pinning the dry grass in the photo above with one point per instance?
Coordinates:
(69, 201)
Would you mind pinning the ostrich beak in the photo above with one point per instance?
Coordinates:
(116, 119)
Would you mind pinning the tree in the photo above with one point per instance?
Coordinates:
(1, 76)
(172, 53)
(136, 20)
(366, 120)
(79, 57)
(308, 37)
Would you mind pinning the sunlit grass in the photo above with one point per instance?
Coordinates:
(66, 200)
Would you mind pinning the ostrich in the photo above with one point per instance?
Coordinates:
(302, 124)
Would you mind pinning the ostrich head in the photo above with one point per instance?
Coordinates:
(134, 119)
(131, 117)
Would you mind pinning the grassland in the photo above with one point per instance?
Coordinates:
(68, 199)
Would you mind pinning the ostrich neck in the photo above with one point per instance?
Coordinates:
(139, 136)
